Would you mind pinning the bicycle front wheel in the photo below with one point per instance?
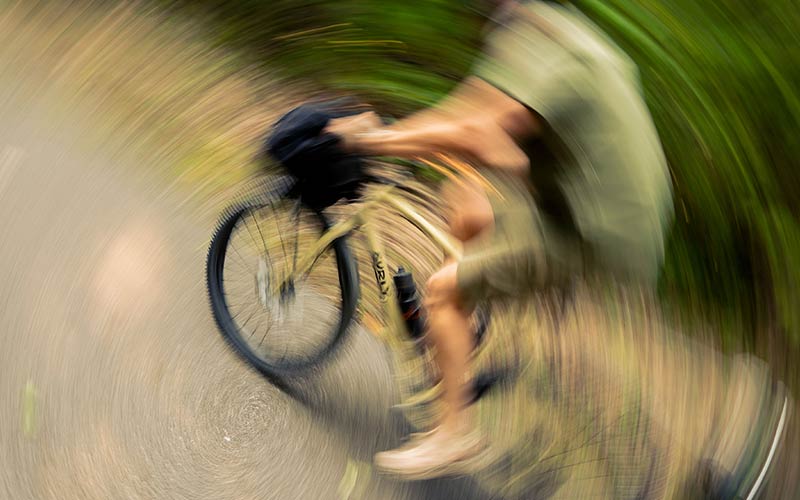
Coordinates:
(255, 248)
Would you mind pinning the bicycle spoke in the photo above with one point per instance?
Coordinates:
(256, 328)
(263, 241)
(296, 234)
(233, 305)
(266, 254)
(233, 247)
(280, 236)
(247, 226)
(266, 332)
(238, 288)
(260, 234)
(255, 310)
(246, 309)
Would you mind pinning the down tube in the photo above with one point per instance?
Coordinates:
(385, 284)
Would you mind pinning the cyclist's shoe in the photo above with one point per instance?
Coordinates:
(434, 454)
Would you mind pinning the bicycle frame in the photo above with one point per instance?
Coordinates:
(362, 218)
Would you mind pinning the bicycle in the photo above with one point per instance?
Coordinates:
(318, 284)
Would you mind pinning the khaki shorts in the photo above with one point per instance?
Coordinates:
(523, 254)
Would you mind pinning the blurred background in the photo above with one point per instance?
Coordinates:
(125, 127)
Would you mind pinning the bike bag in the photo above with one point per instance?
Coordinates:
(323, 171)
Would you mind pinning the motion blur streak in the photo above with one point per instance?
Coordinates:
(122, 133)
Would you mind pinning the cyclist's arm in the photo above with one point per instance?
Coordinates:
(476, 97)
(481, 140)
(477, 121)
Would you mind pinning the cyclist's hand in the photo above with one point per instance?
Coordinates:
(349, 126)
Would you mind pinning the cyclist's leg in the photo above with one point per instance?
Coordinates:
(450, 333)
(509, 264)
(506, 266)
(449, 329)
(503, 268)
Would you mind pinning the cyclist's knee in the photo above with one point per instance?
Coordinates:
(469, 211)
(470, 223)
(442, 287)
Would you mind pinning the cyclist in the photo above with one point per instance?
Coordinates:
(555, 108)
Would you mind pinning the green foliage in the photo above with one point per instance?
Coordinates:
(397, 55)
(720, 78)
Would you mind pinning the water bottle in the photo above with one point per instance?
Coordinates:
(410, 304)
